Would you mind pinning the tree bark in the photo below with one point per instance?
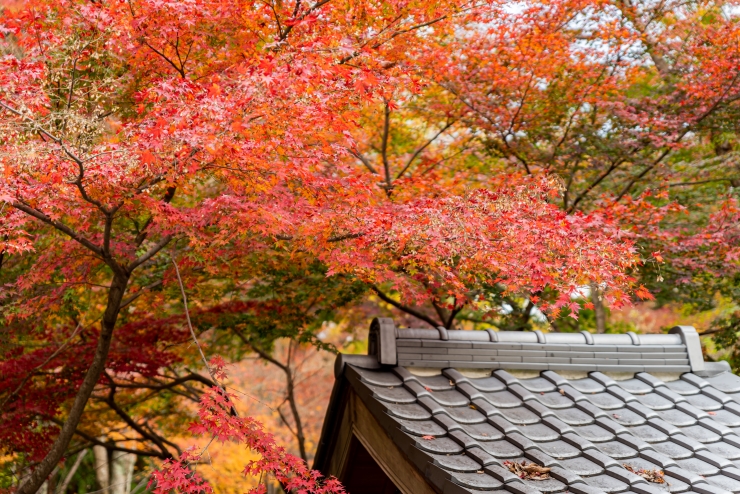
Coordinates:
(122, 467)
(55, 454)
(102, 470)
(599, 311)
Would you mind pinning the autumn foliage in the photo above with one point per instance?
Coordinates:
(296, 159)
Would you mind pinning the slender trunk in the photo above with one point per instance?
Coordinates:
(599, 311)
(294, 407)
(55, 454)
(122, 466)
(102, 470)
(62, 489)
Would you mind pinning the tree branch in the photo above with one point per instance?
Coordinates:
(403, 308)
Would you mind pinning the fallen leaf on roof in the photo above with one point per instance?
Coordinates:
(472, 406)
(451, 383)
(542, 392)
(562, 392)
(712, 413)
(615, 415)
(479, 471)
(428, 388)
(485, 434)
(428, 438)
(654, 475)
(528, 471)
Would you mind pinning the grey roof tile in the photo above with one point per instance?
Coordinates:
(378, 378)
(627, 417)
(704, 402)
(502, 424)
(542, 458)
(448, 423)
(695, 380)
(594, 433)
(724, 482)
(559, 449)
(463, 439)
(716, 394)
(546, 486)
(566, 476)
(621, 473)
(610, 424)
(482, 431)
(599, 458)
(673, 450)
(733, 473)
(440, 445)
(500, 473)
(698, 466)
(557, 425)
(436, 383)
(648, 379)
(714, 460)
(520, 488)
(607, 483)
(555, 400)
(724, 450)
(725, 382)
(450, 398)
(573, 416)
(701, 434)
(582, 466)
(665, 427)
(709, 489)
(647, 488)
(393, 394)
(685, 476)
(585, 489)
(520, 441)
(606, 401)
(657, 458)
(587, 385)
(655, 401)
(411, 412)
(716, 427)
(422, 427)
(477, 481)
(456, 463)
(539, 432)
(648, 433)
(520, 416)
(634, 442)
(481, 456)
(501, 449)
(465, 415)
(538, 385)
(502, 399)
(617, 450)
(671, 395)
(677, 418)
(687, 442)
(683, 387)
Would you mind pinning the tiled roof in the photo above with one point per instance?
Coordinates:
(586, 408)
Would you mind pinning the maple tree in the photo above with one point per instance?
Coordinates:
(365, 146)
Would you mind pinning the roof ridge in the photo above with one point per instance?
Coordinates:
(677, 351)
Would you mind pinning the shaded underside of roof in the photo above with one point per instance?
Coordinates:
(460, 430)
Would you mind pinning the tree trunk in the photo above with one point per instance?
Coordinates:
(55, 454)
(102, 470)
(122, 468)
(599, 311)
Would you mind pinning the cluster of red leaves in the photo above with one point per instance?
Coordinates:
(217, 419)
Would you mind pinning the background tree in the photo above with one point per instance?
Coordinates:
(147, 144)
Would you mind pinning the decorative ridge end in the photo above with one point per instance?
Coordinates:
(690, 338)
(382, 340)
